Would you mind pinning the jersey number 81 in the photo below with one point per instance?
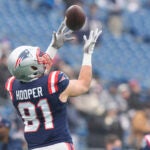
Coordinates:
(30, 117)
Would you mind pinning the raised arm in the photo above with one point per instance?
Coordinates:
(59, 38)
(82, 84)
(62, 35)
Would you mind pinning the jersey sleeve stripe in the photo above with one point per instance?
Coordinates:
(49, 83)
(56, 81)
(9, 83)
(9, 86)
(52, 82)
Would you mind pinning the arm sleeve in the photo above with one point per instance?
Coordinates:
(57, 82)
(63, 82)
(9, 86)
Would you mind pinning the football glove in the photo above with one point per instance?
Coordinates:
(62, 35)
(90, 42)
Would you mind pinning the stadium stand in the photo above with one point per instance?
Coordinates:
(24, 25)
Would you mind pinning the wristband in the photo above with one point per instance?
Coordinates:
(87, 59)
(51, 51)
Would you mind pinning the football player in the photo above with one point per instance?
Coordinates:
(40, 97)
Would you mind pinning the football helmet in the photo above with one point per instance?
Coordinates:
(26, 63)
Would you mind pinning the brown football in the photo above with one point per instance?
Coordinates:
(75, 17)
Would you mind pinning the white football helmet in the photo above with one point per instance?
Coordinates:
(24, 63)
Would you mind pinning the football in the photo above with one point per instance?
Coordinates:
(75, 17)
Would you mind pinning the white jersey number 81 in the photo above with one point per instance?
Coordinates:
(30, 117)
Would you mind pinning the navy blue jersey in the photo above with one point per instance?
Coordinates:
(38, 104)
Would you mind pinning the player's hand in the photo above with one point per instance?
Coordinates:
(62, 35)
(90, 42)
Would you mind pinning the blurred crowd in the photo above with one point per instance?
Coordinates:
(117, 109)
(113, 114)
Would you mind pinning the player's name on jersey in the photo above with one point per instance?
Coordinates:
(29, 93)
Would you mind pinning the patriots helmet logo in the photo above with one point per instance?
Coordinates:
(25, 54)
